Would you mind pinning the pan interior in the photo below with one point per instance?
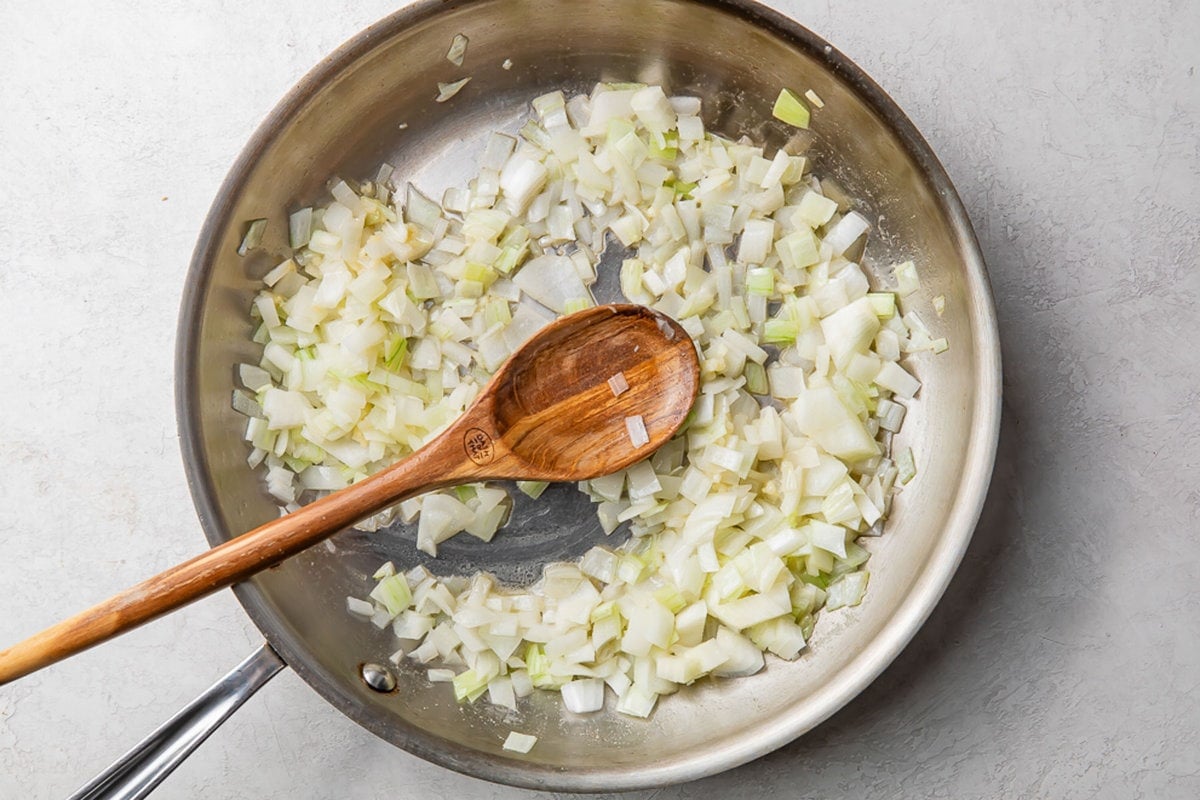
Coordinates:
(373, 101)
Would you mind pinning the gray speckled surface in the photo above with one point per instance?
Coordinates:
(1064, 661)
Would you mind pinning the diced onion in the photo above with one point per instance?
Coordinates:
(458, 50)
(448, 90)
(519, 742)
(583, 695)
(637, 431)
(894, 377)
(846, 231)
(790, 109)
(907, 280)
(359, 608)
(299, 228)
(617, 384)
(393, 310)
(253, 237)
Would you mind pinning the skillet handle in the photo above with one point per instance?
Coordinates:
(136, 774)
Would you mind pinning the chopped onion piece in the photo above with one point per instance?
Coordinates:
(849, 330)
(519, 742)
(458, 50)
(359, 608)
(532, 489)
(617, 384)
(847, 590)
(815, 209)
(254, 235)
(891, 415)
(906, 466)
(501, 693)
(583, 695)
(846, 231)
(448, 90)
(520, 180)
(822, 415)
(895, 378)
(638, 701)
(392, 593)
(552, 281)
(789, 108)
(442, 516)
(299, 228)
(907, 280)
(636, 427)
(281, 271)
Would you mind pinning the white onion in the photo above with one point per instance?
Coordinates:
(894, 377)
(380, 330)
(822, 415)
(617, 384)
(637, 431)
(850, 330)
(638, 701)
(846, 231)
(448, 90)
(501, 693)
(442, 516)
(552, 281)
(520, 742)
(458, 50)
(359, 608)
(520, 180)
(756, 241)
(583, 695)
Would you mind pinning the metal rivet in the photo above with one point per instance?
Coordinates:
(378, 677)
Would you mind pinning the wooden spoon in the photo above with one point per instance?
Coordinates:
(548, 414)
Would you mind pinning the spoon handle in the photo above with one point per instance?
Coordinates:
(460, 454)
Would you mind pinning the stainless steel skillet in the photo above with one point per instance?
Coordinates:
(373, 101)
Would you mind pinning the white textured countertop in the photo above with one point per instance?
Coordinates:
(1064, 661)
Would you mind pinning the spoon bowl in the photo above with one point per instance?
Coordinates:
(555, 413)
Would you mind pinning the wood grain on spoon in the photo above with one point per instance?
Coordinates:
(548, 414)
